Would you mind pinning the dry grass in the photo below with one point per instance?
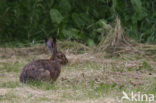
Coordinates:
(88, 78)
(116, 42)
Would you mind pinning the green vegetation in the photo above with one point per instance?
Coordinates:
(9, 84)
(11, 67)
(43, 85)
(81, 20)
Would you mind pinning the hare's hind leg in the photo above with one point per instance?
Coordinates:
(44, 75)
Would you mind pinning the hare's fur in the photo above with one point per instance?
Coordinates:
(44, 69)
(62, 58)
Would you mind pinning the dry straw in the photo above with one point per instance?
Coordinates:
(116, 42)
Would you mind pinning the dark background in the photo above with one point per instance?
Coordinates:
(32, 20)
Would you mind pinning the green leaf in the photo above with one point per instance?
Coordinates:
(140, 10)
(56, 16)
(77, 20)
(90, 42)
(71, 33)
(65, 6)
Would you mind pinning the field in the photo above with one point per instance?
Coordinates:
(89, 77)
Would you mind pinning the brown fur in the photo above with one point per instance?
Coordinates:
(44, 69)
(61, 58)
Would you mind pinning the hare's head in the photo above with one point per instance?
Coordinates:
(51, 44)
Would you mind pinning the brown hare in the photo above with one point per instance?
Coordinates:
(43, 69)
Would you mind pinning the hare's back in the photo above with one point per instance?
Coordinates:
(39, 64)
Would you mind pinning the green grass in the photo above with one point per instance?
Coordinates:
(10, 97)
(43, 85)
(146, 66)
(10, 84)
(11, 67)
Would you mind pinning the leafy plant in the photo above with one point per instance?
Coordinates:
(79, 20)
(56, 16)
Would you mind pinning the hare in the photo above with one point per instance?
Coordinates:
(43, 69)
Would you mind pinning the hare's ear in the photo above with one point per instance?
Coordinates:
(46, 40)
(54, 40)
(47, 43)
